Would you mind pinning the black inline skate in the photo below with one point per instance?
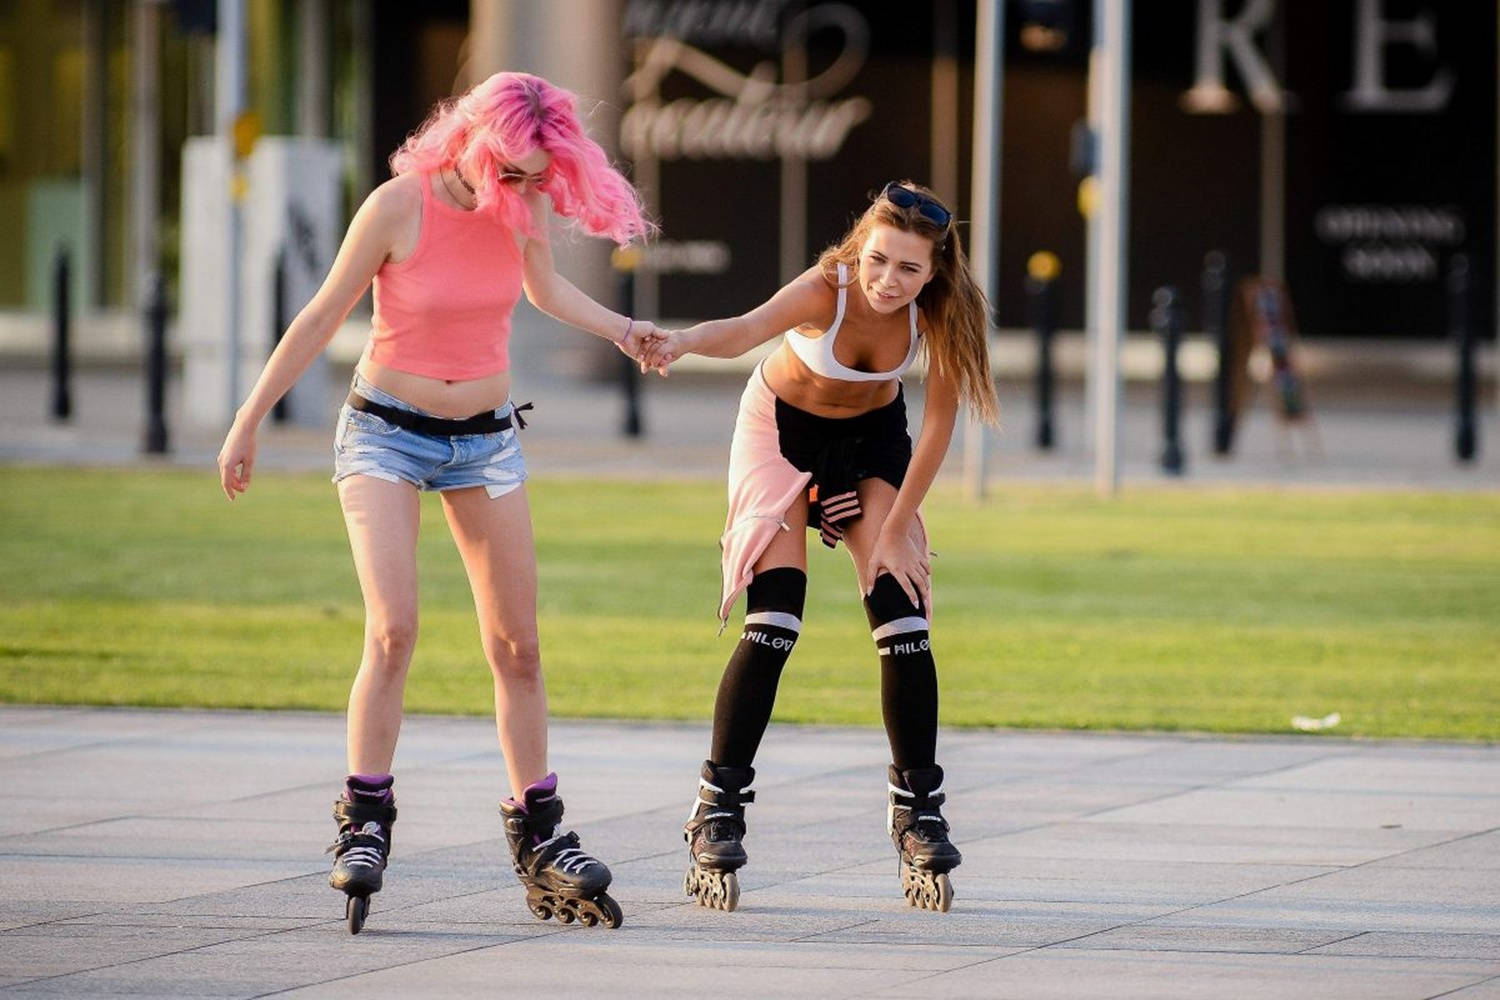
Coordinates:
(365, 815)
(560, 879)
(921, 837)
(714, 832)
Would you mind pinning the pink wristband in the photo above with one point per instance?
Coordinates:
(629, 325)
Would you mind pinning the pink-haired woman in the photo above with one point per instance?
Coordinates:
(450, 243)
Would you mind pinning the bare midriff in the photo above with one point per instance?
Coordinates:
(794, 383)
(440, 397)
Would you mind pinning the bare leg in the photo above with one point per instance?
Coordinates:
(494, 538)
(788, 548)
(876, 497)
(382, 520)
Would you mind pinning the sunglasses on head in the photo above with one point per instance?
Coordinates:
(929, 208)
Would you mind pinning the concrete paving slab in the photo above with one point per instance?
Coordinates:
(21, 913)
(119, 880)
(1162, 935)
(1157, 883)
(1223, 844)
(1070, 973)
(1318, 807)
(739, 970)
(59, 950)
(1483, 947)
(1095, 864)
(1477, 852)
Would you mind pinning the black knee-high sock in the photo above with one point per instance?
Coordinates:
(747, 692)
(908, 676)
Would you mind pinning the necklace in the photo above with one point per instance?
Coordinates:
(443, 176)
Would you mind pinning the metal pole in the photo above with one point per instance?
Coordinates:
(1216, 325)
(943, 160)
(1273, 158)
(96, 153)
(1466, 443)
(1110, 60)
(1166, 319)
(1042, 270)
(626, 263)
(156, 368)
(984, 225)
(229, 98)
(793, 197)
(62, 399)
(1273, 194)
(312, 68)
(279, 319)
(145, 153)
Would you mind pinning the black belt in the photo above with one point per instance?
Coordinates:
(480, 423)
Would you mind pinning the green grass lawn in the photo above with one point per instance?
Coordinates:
(1172, 609)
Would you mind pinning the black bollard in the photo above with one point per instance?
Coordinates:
(1166, 320)
(280, 411)
(1216, 325)
(155, 442)
(625, 261)
(1042, 269)
(1466, 440)
(62, 399)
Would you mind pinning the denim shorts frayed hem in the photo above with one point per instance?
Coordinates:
(366, 445)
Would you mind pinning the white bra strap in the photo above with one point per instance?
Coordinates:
(838, 312)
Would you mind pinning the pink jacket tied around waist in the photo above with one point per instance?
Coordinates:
(762, 487)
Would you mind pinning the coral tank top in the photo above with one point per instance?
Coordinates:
(445, 310)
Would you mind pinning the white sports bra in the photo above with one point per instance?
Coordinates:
(817, 352)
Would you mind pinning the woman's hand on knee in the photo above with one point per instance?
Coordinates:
(907, 564)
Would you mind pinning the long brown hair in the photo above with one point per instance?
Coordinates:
(957, 341)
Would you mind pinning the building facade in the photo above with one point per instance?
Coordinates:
(1348, 147)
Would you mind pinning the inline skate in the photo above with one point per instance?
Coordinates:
(365, 814)
(714, 832)
(921, 837)
(561, 880)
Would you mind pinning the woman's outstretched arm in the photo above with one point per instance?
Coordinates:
(375, 229)
(804, 300)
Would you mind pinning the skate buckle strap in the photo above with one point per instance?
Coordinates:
(924, 808)
(721, 797)
(365, 847)
(360, 813)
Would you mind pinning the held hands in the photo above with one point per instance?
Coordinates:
(911, 567)
(651, 346)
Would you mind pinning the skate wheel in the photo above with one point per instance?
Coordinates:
(943, 895)
(587, 918)
(689, 883)
(729, 893)
(609, 911)
(541, 911)
(356, 908)
(566, 914)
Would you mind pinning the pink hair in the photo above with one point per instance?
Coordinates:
(504, 119)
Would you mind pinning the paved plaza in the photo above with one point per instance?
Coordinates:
(178, 854)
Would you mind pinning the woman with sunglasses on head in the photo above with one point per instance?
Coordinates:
(821, 442)
(450, 243)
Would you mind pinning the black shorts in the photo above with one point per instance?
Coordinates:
(839, 452)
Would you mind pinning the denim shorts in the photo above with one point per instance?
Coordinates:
(366, 445)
